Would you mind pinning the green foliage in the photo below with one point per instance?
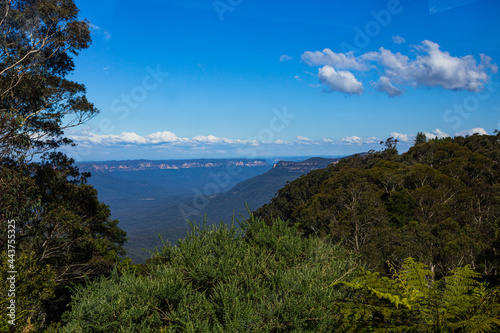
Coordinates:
(34, 285)
(420, 138)
(37, 102)
(221, 279)
(64, 235)
(438, 203)
(390, 143)
(412, 301)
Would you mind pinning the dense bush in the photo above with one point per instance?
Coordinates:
(219, 278)
(438, 203)
(64, 236)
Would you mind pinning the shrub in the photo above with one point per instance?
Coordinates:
(221, 278)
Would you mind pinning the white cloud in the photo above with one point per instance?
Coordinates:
(433, 67)
(167, 139)
(207, 139)
(330, 58)
(283, 142)
(439, 68)
(440, 134)
(285, 57)
(303, 139)
(131, 138)
(372, 140)
(384, 85)
(160, 137)
(342, 81)
(297, 78)
(398, 39)
(401, 137)
(478, 130)
(437, 133)
(110, 139)
(352, 139)
(358, 140)
(212, 139)
(429, 67)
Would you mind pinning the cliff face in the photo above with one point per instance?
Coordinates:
(142, 165)
(305, 166)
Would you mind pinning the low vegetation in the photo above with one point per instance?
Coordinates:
(268, 278)
(221, 279)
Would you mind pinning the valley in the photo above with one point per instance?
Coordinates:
(152, 198)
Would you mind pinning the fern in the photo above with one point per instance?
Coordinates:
(411, 301)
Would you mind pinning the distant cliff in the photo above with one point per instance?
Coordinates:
(145, 165)
(305, 166)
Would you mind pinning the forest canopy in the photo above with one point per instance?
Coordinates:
(438, 203)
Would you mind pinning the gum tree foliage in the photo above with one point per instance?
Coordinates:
(37, 101)
(64, 234)
(438, 203)
(64, 230)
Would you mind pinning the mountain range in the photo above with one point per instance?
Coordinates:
(158, 197)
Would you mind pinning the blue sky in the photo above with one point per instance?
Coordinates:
(254, 78)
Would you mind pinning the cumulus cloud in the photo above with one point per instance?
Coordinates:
(433, 67)
(437, 133)
(165, 137)
(401, 137)
(429, 67)
(208, 139)
(384, 85)
(161, 137)
(110, 139)
(352, 139)
(330, 58)
(169, 140)
(285, 57)
(398, 39)
(478, 130)
(342, 81)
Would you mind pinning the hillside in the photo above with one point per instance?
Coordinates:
(259, 190)
(438, 203)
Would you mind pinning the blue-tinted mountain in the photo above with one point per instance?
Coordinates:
(169, 217)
